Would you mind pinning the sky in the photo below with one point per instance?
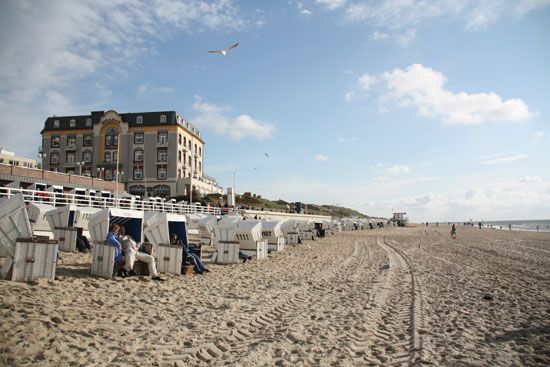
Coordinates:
(435, 108)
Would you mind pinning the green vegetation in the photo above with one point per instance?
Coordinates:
(258, 203)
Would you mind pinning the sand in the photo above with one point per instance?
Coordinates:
(400, 296)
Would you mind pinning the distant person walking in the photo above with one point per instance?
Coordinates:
(510, 226)
(453, 231)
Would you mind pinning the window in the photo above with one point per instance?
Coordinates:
(139, 120)
(200, 152)
(56, 123)
(107, 157)
(162, 137)
(162, 119)
(179, 155)
(179, 172)
(138, 138)
(161, 172)
(87, 157)
(115, 156)
(200, 166)
(138, 173)
(111, 137)
(162, 155)
(138, 155)
(87, 140)
(184, 141)
(108, 175)
(190, 161)
(72, 123)
(55, 141)
(179, 139)
(88, 122)
(70, 158)
(189, 144)
(71, 142)
(54, 158)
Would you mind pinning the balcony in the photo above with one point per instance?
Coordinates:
(162, 143)
(71, 147)
(110, 165)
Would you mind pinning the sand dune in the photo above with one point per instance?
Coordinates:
(381, 297)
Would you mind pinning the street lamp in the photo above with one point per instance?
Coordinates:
(80, 164)
(41, 155)
(101, 172)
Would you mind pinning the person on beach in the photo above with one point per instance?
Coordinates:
(453, 231)
(188, 255)
(132, 253)
(112, 239)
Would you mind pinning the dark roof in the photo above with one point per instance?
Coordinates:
(149, 119)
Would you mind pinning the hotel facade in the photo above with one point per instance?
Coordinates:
(158, 153)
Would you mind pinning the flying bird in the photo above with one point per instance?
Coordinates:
(267, 155)
(225, 50)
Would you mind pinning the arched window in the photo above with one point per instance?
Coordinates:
(111, 138)
(179, 155)
(179, 139)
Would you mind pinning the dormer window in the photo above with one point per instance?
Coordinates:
(88, 122)
(162, 119)
(56, 123)
(72, 123)
(139, 120)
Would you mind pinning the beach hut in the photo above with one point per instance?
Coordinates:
(79, 196)
(158, 231)
(193, 222)
(27, 257)
(290, 231)
(57, 195)
(249, 235)
(273, 233)
(103, 254)
(206, 229)
(227, 248)
(61, 221)
(82, 217)
(37, 217)
(39, 193)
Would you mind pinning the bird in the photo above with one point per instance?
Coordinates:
(267, 155)
(225, 50)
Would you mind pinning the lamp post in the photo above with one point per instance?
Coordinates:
(101, 173)
(80, 164)
(41, 155)
(234, 188)
(117, 160)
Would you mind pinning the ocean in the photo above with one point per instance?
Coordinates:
(541, 225)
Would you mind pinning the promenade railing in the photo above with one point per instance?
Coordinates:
(123, 202)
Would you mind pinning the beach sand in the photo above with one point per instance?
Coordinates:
(398, 296)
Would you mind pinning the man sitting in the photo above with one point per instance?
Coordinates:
(131, 250)
(187, 255)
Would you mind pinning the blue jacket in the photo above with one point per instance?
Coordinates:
(113, 240)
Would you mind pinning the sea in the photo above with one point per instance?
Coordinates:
(541, 225)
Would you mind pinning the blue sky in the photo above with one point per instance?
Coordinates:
(436, 108)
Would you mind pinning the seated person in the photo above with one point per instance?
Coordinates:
(82, 243)
(244, 256)
(112, 239)
(130, 248)
(187, 255)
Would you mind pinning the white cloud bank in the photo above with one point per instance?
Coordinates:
(504, 159)
(398, 170)
(49, 46)
(146, 89)
(321, 157)
(423, 88)
(215, 117)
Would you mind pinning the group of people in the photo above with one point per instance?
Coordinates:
(127, 250)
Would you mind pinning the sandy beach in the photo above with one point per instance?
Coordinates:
(399, 296)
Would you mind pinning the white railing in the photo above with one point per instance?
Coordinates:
(125, 202)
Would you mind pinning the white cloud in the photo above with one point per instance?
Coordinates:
(366, 81)
(423, 88)
(505, 159)
(332, 4)
(398, 170)
(303, 10)
(321, 157)
(214, 117)
(147, 89)
(378, 36)
(406, 14)
(539, 135)
(47, 47)
(346, 140)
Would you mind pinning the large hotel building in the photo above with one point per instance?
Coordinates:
(158, 152)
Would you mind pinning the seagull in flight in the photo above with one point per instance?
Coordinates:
(225, 50)
(267, 155)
